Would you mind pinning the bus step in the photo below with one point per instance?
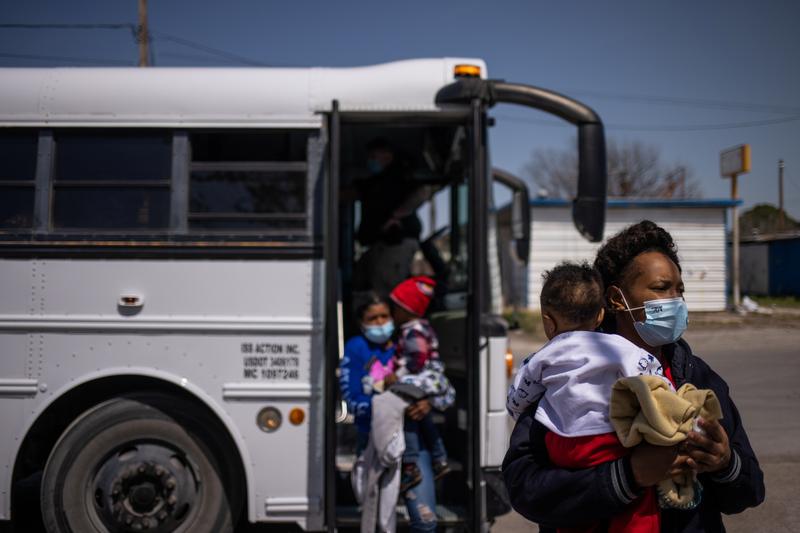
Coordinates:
(345, 462)
(447, 515)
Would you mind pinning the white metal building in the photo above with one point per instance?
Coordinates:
(698, 227)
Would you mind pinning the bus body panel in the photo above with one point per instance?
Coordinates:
(238, 335)
(217, 97)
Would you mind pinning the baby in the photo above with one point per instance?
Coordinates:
(572, 376)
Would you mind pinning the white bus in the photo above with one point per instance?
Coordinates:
(177, 257)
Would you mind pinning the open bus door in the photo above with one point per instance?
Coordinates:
(473, 323)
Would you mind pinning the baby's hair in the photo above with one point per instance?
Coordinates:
(367, 300)
(573, 291)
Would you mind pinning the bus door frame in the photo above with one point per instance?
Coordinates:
(332, 309)
(476, 306)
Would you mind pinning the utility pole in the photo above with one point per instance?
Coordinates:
(780, 194)
(143, 35)
(732, 162)
(735, 242)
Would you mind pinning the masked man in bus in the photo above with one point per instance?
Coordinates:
(389, 224)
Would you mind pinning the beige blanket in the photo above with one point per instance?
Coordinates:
(645, 408)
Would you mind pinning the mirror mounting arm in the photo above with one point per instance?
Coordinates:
(588, 208)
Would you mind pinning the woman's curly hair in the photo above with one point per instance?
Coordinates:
(617, 253)
(614, 257)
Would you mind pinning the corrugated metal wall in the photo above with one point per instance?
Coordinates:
(754, 264)
(784, 261)
(698, 231)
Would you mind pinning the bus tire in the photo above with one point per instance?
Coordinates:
(141, 463)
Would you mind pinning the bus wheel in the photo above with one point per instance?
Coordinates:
(140, 463)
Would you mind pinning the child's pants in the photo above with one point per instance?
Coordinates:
(426, 430)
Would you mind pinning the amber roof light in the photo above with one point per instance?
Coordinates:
(467, 71)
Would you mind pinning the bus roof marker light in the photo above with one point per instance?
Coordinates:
(467, 71)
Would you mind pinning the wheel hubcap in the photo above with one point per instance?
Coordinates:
(145, 487)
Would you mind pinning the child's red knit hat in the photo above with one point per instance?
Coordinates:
(414, 294)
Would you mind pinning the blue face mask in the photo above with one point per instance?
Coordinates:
(378, 334)
(665, 320)
(374, 166)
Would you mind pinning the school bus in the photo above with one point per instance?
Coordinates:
(177, 256)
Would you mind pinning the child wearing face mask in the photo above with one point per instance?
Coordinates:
(571, 378)
(417, 362)
(367, 366)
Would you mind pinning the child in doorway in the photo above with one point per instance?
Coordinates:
(417, 355)
(571, 378)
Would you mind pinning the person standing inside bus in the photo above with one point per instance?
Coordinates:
(389, 227)
(366, 369)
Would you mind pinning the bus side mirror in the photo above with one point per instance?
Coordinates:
(520, 212)
(589, 206)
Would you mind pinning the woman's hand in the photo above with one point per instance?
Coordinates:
(680, 466)
(418, 410)
(651, 463)
(710, 452)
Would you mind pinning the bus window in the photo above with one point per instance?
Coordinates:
(249, 181)
(112, 180)
(17, 174)
(240, 145)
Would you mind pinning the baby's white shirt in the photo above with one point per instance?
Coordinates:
(573, 374)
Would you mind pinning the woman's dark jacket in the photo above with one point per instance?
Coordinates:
(557, 497)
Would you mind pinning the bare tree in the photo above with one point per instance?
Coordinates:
(634, 169)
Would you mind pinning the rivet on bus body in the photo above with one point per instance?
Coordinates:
(42, 387)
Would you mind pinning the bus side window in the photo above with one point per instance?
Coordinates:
(254, 181)
(17, 175)
(112, 180)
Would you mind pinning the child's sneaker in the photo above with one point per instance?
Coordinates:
(410, 478)
(440, 469)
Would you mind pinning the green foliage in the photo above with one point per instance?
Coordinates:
(763, 219)
(528, 321)
(778, 301)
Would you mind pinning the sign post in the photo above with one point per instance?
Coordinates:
(732, 162)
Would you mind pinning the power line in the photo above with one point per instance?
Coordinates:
(134, 32)
(688, 102)
(205, 58)
(665, 128)
(114, 26)
(86, 60)
(209, 50)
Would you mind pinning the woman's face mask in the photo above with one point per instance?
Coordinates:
(378, 334)
(665, 320)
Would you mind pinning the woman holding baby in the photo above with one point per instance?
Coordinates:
(643, 290)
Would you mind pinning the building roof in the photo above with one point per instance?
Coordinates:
(218, 97)
(623, 203)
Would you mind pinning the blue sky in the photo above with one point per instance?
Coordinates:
(685, 76)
